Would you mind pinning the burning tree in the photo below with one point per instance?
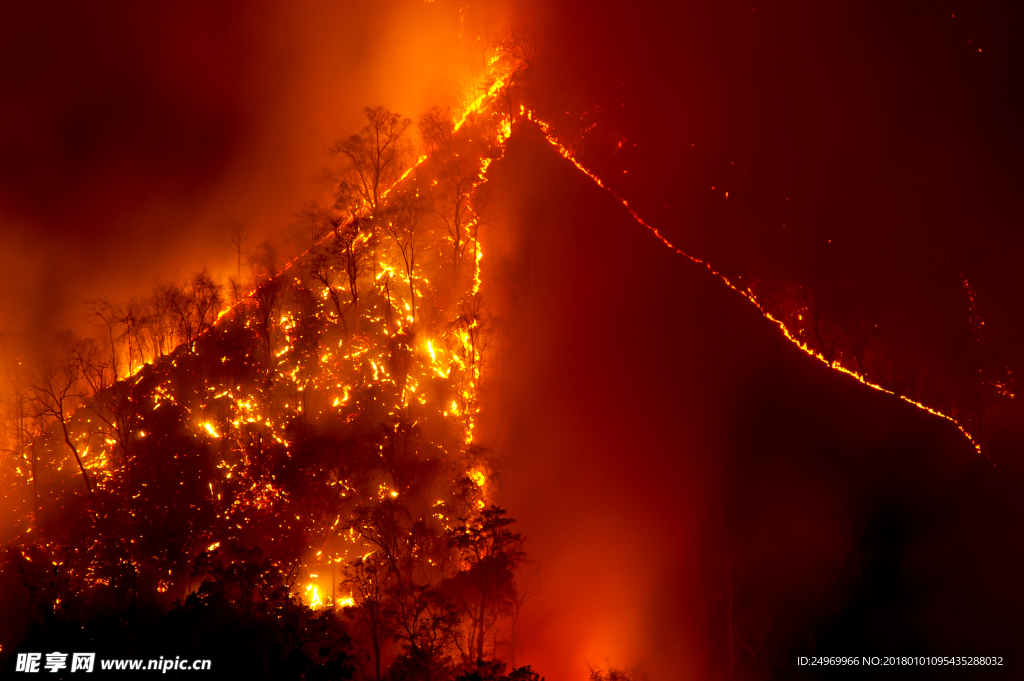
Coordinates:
(376, 156)
(60, 387)
(485, 589)
(516, 52)
(457, 175)
(371, 609)
(265, 304)
(316, 215)
(405, 224)
(253, 459)
(236, 234)
(192, 307)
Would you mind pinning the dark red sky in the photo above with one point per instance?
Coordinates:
(891, 130)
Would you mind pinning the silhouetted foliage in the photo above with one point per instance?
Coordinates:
(284, 473)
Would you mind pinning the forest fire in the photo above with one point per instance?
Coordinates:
(300, 460)
(293, 359)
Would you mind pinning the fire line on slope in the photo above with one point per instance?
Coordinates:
(546, 129)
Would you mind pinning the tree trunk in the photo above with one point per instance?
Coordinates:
(74, 450)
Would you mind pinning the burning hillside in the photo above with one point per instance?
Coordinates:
(303, 446)
(308, 461)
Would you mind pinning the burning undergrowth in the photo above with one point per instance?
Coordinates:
(296, 466)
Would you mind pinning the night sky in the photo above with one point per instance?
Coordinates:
(662, 443)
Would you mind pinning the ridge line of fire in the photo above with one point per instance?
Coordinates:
(546, 129)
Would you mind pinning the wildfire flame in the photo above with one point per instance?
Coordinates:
(313, 595)
(358, 371)
(547, 129)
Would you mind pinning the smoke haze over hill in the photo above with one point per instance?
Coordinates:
(700, 498)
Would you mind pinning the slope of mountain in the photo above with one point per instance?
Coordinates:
(695, 489)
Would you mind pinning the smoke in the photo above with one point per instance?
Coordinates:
(679, 472)
(702, 500)
(135, 132)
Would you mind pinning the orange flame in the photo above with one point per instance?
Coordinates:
(546, 128)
